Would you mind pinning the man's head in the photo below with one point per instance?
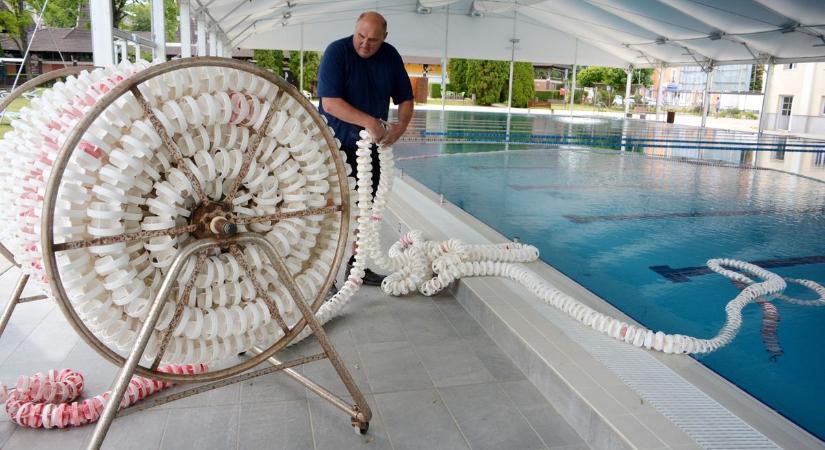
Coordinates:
(370, 32)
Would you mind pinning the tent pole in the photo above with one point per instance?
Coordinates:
(660, 91)
(766, 85)
(444, 63)
(629, 73)
(573, 84)
(706, 93)
(301, 71)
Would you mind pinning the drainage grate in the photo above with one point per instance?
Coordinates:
(707, 422)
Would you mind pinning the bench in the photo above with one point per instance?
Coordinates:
(540, 104)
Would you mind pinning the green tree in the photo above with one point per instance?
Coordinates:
(311, 62)
(59, 13)
(140, 19)
(487, 79)
(612, 76)
(457, 71)
(523, 88)
(15, 20)
(270, 59)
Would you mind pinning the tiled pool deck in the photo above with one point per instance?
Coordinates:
(432, 377)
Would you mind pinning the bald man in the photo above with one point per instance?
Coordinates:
(358, 76)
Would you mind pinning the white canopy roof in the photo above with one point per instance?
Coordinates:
(618, 33)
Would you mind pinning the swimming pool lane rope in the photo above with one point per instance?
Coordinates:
(430, 266)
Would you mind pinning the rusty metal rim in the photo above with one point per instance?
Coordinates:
(39, 80)
(59, 167)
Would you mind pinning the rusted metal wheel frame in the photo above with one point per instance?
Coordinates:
(40, 80)
(59, 167)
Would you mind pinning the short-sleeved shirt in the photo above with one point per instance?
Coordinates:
(366, 84)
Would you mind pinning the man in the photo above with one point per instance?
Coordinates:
(358, 76)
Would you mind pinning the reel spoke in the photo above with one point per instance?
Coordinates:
(190, 283)
(126, 237)
(174, 151)
(270, 303)
(287, 215)
(250, 153)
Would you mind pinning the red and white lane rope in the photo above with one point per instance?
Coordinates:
(43, 400)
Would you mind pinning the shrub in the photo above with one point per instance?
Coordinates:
(435, 90)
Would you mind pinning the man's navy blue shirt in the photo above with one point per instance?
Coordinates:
(366, 84)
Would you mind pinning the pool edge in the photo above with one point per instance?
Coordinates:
(599, 406)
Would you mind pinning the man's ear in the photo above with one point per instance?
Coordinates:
(385, 34)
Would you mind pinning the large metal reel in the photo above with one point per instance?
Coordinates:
(209, 218)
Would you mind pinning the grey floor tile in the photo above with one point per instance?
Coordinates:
(323, 373)
(419, 420)
(35, 439)
(6, 430)
(495, 360)
(275, 387)
(393, 366)
(375, 323)
(425, 325)
(332, 429)
(488, 418)
(453, 363)
(463, 323)
(524, 395)
(281, 426)
(47, 342)
(553, 429)
(138, 431)
(214, 427)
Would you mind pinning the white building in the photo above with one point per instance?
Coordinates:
(796, 99)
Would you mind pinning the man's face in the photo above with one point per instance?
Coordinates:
(368, 37)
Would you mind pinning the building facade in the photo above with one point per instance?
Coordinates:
(796, 99)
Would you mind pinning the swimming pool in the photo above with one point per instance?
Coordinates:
(637, 231)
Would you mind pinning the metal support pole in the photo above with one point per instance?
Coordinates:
(125, 375)
(219, 48)
(201, 28)
(311, 385)
(660, 92)
(185, 30)
(213, 41)
(629, 73)
(100, 15)
(766, 89)
(124, 50)
(15, 296)
(159, 30)
(573, 84)
(706, 93)
(301, 66)
(514, 41)
(444, 63)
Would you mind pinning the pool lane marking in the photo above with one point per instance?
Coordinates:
(610, 218)
(683, 274)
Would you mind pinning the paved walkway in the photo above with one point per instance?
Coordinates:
(433, 378)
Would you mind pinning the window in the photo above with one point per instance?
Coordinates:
(790, 66)
(779, 154)
(819, 159)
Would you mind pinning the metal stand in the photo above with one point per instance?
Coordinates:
(15, 297)
(359, 413)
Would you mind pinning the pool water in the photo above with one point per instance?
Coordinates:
(637, 232)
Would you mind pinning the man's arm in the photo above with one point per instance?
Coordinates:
(341, 109)
(405, 113)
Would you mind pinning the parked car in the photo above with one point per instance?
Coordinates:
(617, 100)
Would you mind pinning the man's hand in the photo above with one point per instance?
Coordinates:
(377, 130)
(393, 133)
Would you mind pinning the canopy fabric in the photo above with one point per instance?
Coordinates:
(642, 33)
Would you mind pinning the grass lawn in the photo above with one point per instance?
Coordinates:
(15, 106)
